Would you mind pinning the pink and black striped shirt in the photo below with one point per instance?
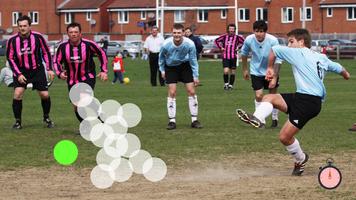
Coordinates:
(25, 55)
(230, 43)
(78, 60)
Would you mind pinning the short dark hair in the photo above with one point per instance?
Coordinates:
(178, 26)
(260, 25)
(73, 25)
(23, 18)
(188, 28)
(301, 34)
(230, 25)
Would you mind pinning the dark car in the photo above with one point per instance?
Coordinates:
(3, 47)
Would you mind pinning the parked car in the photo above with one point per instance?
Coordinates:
(53, 46)
(211, 50)
(114, 47)
(282, 41)
(317, 45)
(3, 47)
(134, 48)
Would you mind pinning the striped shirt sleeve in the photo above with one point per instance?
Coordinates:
(45, 52)
(219, 41)
(11, 55)
(101, 55)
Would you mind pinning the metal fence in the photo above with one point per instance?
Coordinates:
(330, 36)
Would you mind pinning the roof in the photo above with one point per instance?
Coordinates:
(170, 3)
(337, 2)
(82, 4)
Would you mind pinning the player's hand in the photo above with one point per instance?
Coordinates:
(163, 75)
(222, 49)
(50, 75)
(196, 82)
(22, 79)
(269, 74)
(272, 83)
(345, 74)
(63, 75)
(103, 76)
(246, 75)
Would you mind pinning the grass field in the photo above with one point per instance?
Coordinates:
(223, 137)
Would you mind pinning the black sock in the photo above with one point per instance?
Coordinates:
(226, 78)
(232, 79)
(80, 119)
(46, 107)
(17, 109)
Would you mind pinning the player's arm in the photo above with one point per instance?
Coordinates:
(11, 54)
(245, 50)
(162, 61)
(194, 63)
(57, 62)
(337, 68)
(46, 55)
(103, 75)
(270, 68)
(218, 42)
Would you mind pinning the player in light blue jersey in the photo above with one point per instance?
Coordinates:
(309, 69)
(260, 44)
(178, 62)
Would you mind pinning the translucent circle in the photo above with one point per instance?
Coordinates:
(103, 158)
(134, 145)
(99, 133)
(91, 111)
(155, 169)
(115, 145)
(108, 109)
(81, 94)
(131, 113)
(119, 127)
(100, 177)
(122, 170)
(86, 126)
(139, 157)
(65, 152)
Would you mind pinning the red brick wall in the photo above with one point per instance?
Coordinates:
(338, 23)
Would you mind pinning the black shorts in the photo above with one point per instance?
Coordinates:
(90, 82)
(259, 82)
(37, 78)
(302, 108)
(182, 73)
(230, 63)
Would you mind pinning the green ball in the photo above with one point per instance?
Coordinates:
(65, 152)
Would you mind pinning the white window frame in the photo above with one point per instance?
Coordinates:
(31, 15)
(203, 20)
(305, 14)
(0, 18)
(143, 15)
(353, 18)
(15, 16)
(223, 14)
(68, 18)
(327, 12)
(287, 10)
(159, 14)
(89, 16)
(179, 16)
(121, 17)
(244, 18)
(261, 13)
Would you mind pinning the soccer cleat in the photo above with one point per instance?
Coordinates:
(48, 122)
(171, 126)
(242, 115)
(17, 125)
(196, 124)
(274, 123)
(226, 86)
(250, 119)
(299, 167)
(230, 87)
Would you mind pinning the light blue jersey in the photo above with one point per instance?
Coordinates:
(309, 68)
(260, 52)
(173, 55)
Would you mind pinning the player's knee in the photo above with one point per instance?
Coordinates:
(191, 93)
(285, 139)
(44, 95)
(172, 94)
(259, 97)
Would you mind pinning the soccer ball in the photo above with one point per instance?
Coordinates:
(126, 80)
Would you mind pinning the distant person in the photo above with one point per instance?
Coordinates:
(178, 63)
(353, 127)
(259, 45)
(104, 43)
(197, 42)
(309, 69)
(25, 52)
(6, 75)
(152, 47)
(229, 43)
(118, 68)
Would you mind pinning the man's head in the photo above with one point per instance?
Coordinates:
(24, 25)
(178, 33)
(74, 31)
(188, 32)
(154, 31)
(299, 38)
(260, 28)
(231, 29)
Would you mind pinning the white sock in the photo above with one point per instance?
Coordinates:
(263, 111)
(193, 107)
(275, 114)
(171, 107)
(257, 104)
(296, 151)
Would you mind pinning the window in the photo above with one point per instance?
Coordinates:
(244, 14)
(287, 15)
(123, 17)
(68, 18)
(262, 14)
(15, 16)
(351, 13)
(179, 16)
(329, 12)
(143, 15)
(159, 14)
(223, 14)
(34, 17)
(89, 15)
(307, 14)
(203, 15)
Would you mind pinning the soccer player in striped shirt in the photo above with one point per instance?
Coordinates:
(74, 62)
(229, 43)
(25, 52)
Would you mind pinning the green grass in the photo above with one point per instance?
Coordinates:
(223, 134)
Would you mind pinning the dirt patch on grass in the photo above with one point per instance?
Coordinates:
(253, 176)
